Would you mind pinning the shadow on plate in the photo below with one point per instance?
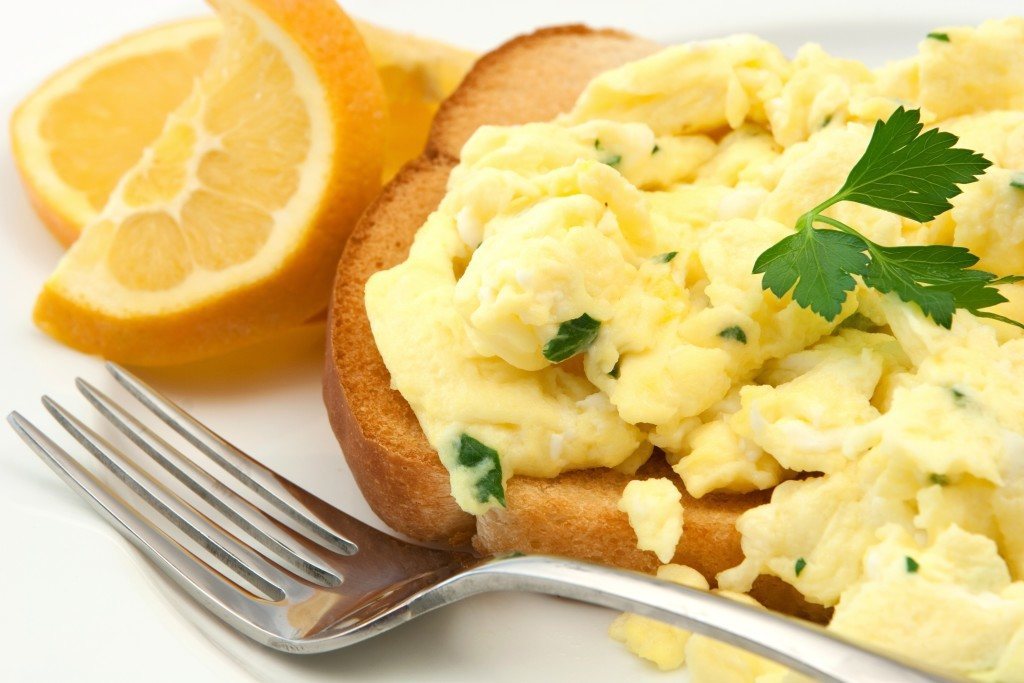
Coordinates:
(296, 354)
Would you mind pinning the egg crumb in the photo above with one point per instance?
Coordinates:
(711, 661)
(656, 515)
(655, 641)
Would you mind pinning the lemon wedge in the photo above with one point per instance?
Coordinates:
(229, 226)
(81, 130)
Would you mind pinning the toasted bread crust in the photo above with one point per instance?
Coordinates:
(531, 78)
(577, 515)
(395, 467)
(397, 470)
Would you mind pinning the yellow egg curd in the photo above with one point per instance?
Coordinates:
(584, 293)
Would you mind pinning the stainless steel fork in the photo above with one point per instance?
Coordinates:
(326, 580)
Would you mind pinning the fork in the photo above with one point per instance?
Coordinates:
(324, 580)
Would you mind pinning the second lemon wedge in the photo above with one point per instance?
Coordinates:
(417, 74)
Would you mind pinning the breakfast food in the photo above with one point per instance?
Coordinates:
(617, 277)
(229, 226)
(78, 133)
(399, 472)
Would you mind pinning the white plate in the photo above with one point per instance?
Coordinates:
(81, 605)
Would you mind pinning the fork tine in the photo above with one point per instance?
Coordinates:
(251, 473)
(249, 565)
(199, 481)
(212, 590)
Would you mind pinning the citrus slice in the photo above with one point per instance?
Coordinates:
(79, 132)
(417, 74)
(230, 225)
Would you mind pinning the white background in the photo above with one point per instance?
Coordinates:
(79, 604)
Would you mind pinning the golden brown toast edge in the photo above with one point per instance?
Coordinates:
(531, 78)
(397, 470)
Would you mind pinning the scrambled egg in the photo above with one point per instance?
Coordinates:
(661, 644)
(668, 647)
(584, 294)
(656, 515)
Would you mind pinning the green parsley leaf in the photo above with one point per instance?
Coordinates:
(938, 479)
(941, 37)
(935, 277)
(1017, 181)
(666, 257)
(572, 337)
(996, 316)
(912, 565)
(474, 455)
(735, 332)
(655, 149)
(819, 263)
(911, 174)
(800, 565)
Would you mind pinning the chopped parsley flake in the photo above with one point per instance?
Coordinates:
(735, 333)
(1017, 180)
(939, 36)
(800, 565)
(938, 479)
(573, 336)
(475, 455)
(610, 159)
(666, 257)
(912, 565)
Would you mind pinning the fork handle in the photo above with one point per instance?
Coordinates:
(802, 646)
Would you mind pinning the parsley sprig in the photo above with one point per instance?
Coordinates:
(911, 174)
(573, 336)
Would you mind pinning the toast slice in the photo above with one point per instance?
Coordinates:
(531, 78)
